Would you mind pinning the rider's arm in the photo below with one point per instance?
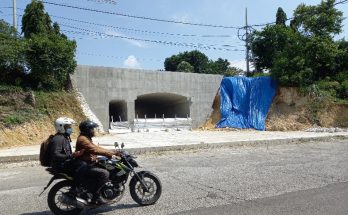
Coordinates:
(89, 147)
(56, 149)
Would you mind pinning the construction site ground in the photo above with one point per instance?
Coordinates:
(144, 142)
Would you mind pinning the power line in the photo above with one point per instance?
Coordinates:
(341, 2)
(114, 2)
(139, 31)
(69, 25)
(145, 31)
(158, 33)
(198, 46)
(107, 36)
(117, 57)
(105, 1)
(140, 17)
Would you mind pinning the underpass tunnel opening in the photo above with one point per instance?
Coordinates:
(118, 111)
(157, 105)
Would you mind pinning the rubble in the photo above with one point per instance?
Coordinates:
(326, 130)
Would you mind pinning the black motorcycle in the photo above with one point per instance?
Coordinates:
(66, 199)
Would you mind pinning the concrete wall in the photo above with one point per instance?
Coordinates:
(101, 85)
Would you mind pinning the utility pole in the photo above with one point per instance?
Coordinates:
(14, 14)
(247, 40)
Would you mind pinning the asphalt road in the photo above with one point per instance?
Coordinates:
(308, 178)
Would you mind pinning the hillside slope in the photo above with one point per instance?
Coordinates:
(27, 117)
(292, 111)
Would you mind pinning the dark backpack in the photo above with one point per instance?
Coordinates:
(44, 152)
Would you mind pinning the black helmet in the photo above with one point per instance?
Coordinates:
(86, 126)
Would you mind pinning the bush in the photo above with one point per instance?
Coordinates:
(329, 88)
(14, 119)
(343, 91)
(10, 88)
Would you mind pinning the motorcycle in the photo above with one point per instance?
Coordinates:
(66, 199)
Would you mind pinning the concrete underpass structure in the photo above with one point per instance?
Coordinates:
(128, 94)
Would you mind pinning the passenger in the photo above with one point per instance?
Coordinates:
(60, 153)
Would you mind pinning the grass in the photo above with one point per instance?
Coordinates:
(16, 108)
(10, 89)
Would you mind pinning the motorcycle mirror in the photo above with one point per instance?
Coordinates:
(122, 145)
(116, 144)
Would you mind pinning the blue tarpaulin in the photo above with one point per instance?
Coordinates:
(245, 102)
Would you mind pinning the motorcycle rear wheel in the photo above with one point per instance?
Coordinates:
(139, 195)
(55, 196)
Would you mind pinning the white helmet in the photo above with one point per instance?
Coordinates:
(61, 122)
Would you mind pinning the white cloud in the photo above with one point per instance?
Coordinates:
(132, 42)
(181, 17)
(132, 62)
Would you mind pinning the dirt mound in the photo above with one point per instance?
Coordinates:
(293, 111)
(288, 111)
(215, 115)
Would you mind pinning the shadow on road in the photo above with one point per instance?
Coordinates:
(109, 208)
(102, 209)
(38, 213)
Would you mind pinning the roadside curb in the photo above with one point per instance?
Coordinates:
(252, 143)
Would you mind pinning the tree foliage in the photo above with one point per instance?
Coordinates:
(322, 20)
(35, 20)
(195, 58)
(199, 62)
(185, 67)
(281, 17)
(12, 59)
(51, 70)
(43, 59)
(305, 52)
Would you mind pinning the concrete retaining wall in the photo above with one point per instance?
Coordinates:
(101, 85)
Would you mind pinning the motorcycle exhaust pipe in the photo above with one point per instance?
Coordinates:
(74, 201)
(80, 203)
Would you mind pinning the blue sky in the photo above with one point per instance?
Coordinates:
(103, 40)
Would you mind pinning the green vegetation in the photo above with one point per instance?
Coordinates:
(305, 54)
(18, 106)
(42, 59)
(197, 62)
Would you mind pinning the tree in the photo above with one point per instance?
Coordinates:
(342, 56)
(322, 20)
(219, 66)
(195, 58)
(281, 17)
(270, 42)
(12, 59)
(35, 20)
(199, 61)
(50, 54)
(185, 67)
(305, 52)
(51, 59)
(321, 54)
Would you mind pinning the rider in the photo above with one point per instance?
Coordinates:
(84, 142)
(61, 156)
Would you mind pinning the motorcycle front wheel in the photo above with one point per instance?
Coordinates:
(138, 193)
(59, 200)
